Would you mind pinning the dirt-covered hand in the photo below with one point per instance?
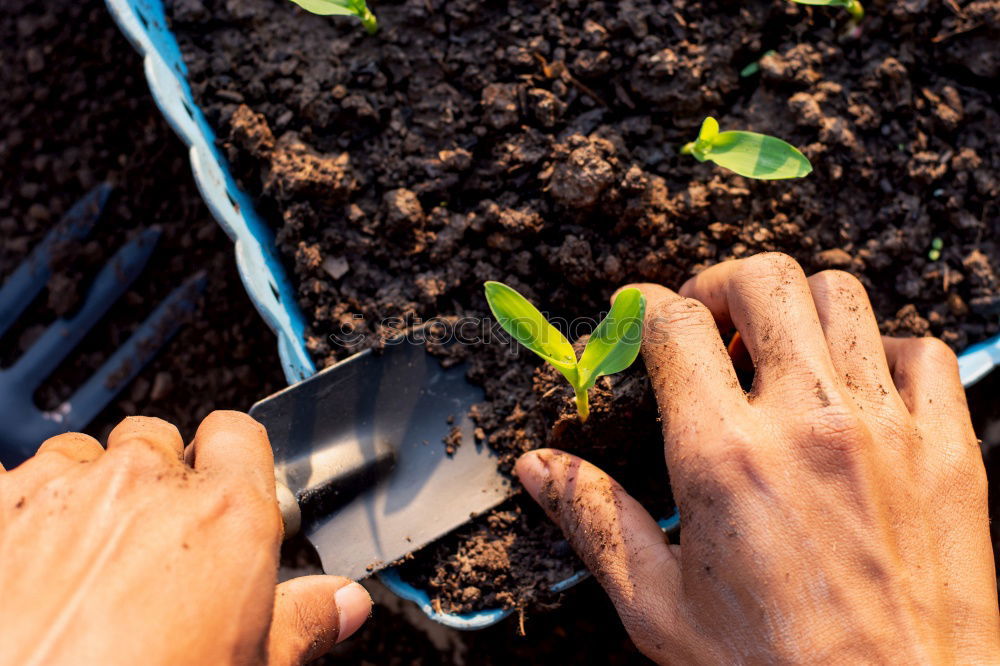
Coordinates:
(149, 554)
(836, 513)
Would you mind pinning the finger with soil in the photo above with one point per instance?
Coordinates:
(686, 359)
(613, 534)
(767, 298)
(236, 446)
(853, 337)
(73, 446)
(149, 432)
(312, 614)
(952, 474)
(925, 372)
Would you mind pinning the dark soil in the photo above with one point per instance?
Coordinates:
(88, 111)
(537, 143)
(75, 111)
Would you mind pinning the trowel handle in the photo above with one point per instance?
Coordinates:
(291, 514)
(314, 487)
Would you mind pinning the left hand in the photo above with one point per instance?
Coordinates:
(150, 554)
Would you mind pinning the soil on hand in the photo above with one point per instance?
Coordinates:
(537, 143)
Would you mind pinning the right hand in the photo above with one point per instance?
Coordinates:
(836, 513)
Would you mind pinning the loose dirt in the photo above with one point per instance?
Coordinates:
(537, 143)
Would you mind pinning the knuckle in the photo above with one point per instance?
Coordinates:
(960, 466)
(680, 314)
(767, 276)
(147, 424)
(724, 466)
(768, 264)
(252, 508)
(136, 453)
(68, 443)
(933, 351)
(835, 429)
(675, 316)
(152, 432)
(974, 473)
(232, 418)
(840, 281)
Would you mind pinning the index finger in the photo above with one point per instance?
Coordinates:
(693, 378)
(233, 443)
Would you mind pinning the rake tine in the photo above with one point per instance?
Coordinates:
(63, 335)
(24, 284)
(130, 358)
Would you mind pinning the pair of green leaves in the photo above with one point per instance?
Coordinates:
(613, 346)
(748, 153)
(342, 8)
(853, 7)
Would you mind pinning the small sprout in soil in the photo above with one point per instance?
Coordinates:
(853, 7)
(342, 8)
(613, 346)
(935, 253)
(748, 153)
(754, 67)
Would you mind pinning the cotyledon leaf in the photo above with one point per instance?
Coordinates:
(527, 325)
(853, 6)
(758, 156)
(709, 129)
(615, 342)
(824, 3)
(358, 8)
(326, 7)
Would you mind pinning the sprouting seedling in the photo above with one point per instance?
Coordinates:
(853, 7)
(342, 8)
(754, 67)
(935, 252)
(748, 153)
(613, 346)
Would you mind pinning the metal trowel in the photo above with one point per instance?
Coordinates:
(359, 460)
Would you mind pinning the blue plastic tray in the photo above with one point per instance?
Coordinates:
(144, 24)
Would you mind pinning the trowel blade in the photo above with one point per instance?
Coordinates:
(384, 416)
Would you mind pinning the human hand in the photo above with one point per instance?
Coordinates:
(150, 554)
(835, 513)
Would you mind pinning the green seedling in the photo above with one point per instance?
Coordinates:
(853, 7)
(748, 153)
(754, 67)
(342, 8)
(613, 346)
(935, 252)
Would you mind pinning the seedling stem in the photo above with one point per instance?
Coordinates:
(582, 404)
(613, 346)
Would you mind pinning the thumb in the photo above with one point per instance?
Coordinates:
(617, 540)
(311, 615)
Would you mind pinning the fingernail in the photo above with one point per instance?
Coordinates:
(354, 606)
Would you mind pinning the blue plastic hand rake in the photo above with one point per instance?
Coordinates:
(25, 425)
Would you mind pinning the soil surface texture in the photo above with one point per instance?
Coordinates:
(87, 115)
(537, 143)
(77, 111)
